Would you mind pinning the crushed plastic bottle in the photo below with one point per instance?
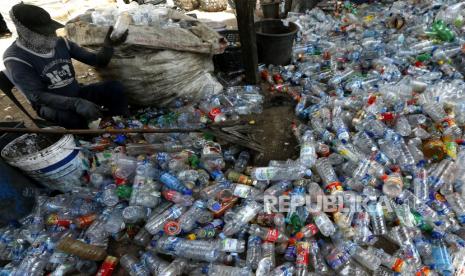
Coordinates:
(377, 188)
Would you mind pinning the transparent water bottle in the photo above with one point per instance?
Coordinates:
(324, 224)
(278, 173)
(253, 252)
(378, 222)
(393, 185)
(196, 213)
(326, 172)
(132, 265)
(242, 161)
(157, 221)
(267, 234)
(245, 214)
(134, 214)
(307, 150)
(153, 263)
(176, 267)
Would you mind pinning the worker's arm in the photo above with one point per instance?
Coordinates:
(99, 59)
(26, 80)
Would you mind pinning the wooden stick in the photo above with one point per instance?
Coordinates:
(63, 131)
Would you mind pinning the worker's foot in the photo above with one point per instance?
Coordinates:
(5, 34)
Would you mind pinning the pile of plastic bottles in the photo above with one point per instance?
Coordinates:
(378, 188)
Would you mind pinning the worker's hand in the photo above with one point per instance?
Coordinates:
(87, 109)
(113, 43)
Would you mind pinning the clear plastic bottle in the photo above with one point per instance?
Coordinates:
(223, 270)
(241, 161)
(326, 172)
(285, 269)
(302, 258)
(396, 264)
(307, 231)
(278, 173)
(324, 224)
(175, 268)
(177, 197)
(378, 222)
(121, 26)
(157, 221)
(153, 263)
(192, 249)
(142, 238)
(132, 265)
(393, 185)
(316, 259)
(402, 126)
(253, 251)
(457, 203)
(196, 213)
(245, 214)
(341, 130)
(307, 150)
(267, 234)
(441, 258)
(268, 252)
(110, 196)
(134, 214)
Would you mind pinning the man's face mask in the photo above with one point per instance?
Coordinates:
(33, 41)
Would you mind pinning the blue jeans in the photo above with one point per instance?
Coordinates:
(109, 94)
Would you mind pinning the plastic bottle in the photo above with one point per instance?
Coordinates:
(302, 259)
(153, 263)
(278, 173)
(177, 197)
(176, 267)
(156, 222)
(307, 150)
(172, 183)
(395, 264)
(132, 265)
(324, 224)
(330, 180)
(253, 252)
(134, 214)
(108, 266)
(378, 223)
(242, 161)
(122, 24)
(267, 234)
(245, 214)
(81, 249)
(393, 185)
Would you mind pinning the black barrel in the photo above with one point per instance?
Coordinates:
(275, 41)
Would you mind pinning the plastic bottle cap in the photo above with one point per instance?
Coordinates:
(299, 236)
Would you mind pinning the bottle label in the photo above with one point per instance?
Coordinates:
(397, 267)
(230, 245)
(263, 173)
(214, 113)
(303, 250)
(272, 235)
(333, 187)
(169, 194)
(242, 191)
(312, 227)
